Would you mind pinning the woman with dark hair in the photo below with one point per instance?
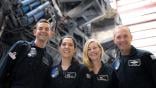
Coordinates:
(66, 74)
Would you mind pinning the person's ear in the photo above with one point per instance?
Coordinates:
(131, 37)
(52, 34)
(34, 32)
(114, 39)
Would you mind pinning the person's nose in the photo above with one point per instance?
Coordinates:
(92, 50)
(122, 39)
(66, 46)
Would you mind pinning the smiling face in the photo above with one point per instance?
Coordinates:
(43, 31)
(94, 52)
(123, 38)
(67, 48)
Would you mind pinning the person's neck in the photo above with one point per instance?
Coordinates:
(126, 51)
(96, 66)
(40, 44)
(66, 62)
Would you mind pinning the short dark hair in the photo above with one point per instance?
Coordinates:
(68, 36)
(44, 21)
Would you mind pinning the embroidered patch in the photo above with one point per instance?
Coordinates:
(33, 52)
(54, 72)
(12, 55)
(103, 77)
(88, 76)
(153, 57)
(136, 62)
(116, 64)
(70, 75)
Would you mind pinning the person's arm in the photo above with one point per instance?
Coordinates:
(153, 67)
(6, 61)
(84, 78)
(150, 66)
(115, 81)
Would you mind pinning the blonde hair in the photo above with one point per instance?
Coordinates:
(86, 60)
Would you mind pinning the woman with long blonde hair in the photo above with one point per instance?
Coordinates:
(99, 74)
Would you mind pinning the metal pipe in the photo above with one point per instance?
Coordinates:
(35, 4)
(38, 15)
(26, 2)
(34, 18)
(39, 8)
(27, 8)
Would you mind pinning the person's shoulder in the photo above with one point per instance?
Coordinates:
(84, 70)
(108, 67)
(83, 67)
(145, 54)
(21, 43)
(18, 45)
(55, 66)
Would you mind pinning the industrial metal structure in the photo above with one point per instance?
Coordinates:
(73, 17)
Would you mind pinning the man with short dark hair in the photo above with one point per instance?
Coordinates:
(28, 63)
(134, 68)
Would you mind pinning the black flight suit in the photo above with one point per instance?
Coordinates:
(106, 78)
(29, 69)
(137, 70)
(69, 78)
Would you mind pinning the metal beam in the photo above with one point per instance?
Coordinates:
(77, 11)
(63, 1)
(57, 8)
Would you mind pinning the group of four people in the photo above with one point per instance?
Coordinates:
(28, 65)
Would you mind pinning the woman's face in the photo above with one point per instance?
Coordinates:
(94, 52)
(67, 49)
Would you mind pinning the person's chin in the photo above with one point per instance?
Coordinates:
(122, 48)
(43, 38)
(94, 59)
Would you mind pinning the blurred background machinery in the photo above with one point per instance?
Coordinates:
(82, 19)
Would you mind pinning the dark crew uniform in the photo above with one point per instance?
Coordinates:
(105, 78)
(69, 78)
(137, 70)
(29, 67)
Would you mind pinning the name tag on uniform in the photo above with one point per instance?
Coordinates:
(136, 62)
(103, 77)
(70, 75)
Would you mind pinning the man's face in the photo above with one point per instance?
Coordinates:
(123, 38)
(43, 32)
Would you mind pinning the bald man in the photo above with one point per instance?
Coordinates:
(134, 68)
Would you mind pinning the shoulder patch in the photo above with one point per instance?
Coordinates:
(153, 57)
(54, 72)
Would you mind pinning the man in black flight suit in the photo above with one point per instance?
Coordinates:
(27, 63)
(134, 68)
